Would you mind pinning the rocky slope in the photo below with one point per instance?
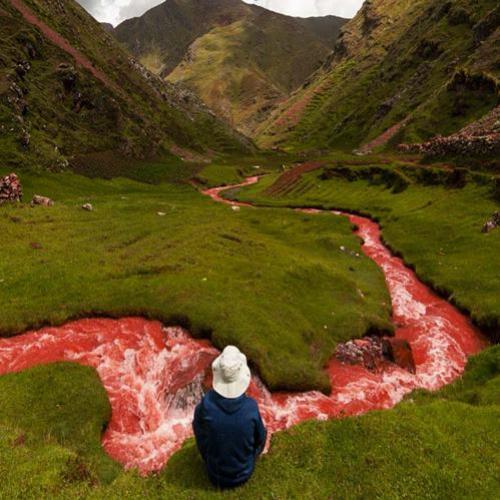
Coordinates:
(68, 89)
(400, 72)
(240, 59)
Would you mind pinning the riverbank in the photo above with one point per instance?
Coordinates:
(435, 445)
(434, 224)
(165, 252)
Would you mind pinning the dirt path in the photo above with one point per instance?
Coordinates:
(383, 138)
(62, 43)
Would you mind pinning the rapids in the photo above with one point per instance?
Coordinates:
(154, 376)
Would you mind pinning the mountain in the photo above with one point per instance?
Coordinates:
(400, 72)
(68, 89)
(108, 27)
(240, 59)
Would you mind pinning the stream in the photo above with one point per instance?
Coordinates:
(154, 376)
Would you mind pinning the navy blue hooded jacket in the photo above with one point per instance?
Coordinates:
(230, 435)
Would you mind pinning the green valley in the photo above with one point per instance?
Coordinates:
(321, 193)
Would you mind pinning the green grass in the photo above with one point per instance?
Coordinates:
(275, 283)
(435, 227)
(273, 280)
(128, 117)
(392, 75)
(233, 169)
(435, 445)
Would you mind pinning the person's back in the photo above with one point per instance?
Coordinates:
(227, 424)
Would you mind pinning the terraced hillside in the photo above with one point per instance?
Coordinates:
(68, 89)
(240, 59)
(407, 70)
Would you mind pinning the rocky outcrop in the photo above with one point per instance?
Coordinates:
(374, 352)
(10, 189)
(479, 139)
(492, 223)
(370, 18)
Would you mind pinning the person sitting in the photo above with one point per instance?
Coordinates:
(227, 424)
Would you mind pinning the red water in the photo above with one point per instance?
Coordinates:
(154, 375)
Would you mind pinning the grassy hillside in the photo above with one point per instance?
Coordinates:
(432, 216)
(251, 277)
(240, 59)
(68, 89)
(402, 61)
(437, 445)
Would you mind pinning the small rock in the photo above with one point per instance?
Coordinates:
(161, 214)
(236, 208)
(42, 201)
(374, 352)
(88, 207)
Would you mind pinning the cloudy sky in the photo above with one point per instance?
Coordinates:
(115, 11)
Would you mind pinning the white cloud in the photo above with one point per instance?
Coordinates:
(116, 11)
(305, 8)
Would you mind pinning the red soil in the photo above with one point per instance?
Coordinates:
(384, 138)
(61, 42)
(154, 376)
(291, 117)
(287, 180)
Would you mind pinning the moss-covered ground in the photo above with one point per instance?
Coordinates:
(441, 445)
(269, 281)
(433, 217)
(275, 283)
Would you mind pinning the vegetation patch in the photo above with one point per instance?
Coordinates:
(434, 222)
(434, 445)
(274, 288)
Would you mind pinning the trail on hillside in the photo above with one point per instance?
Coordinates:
(384, 137)
(154, 376)
(61, 42)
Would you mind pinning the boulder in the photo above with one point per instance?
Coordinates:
(42, 201)
(68, 76)
(10, 189)
(367, 351)
(374, 352)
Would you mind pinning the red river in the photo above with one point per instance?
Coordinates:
(154, 376)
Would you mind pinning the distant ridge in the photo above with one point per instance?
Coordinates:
(240, 59)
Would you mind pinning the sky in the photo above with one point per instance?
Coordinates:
(116, 11)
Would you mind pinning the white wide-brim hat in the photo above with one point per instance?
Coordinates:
(231, 373)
